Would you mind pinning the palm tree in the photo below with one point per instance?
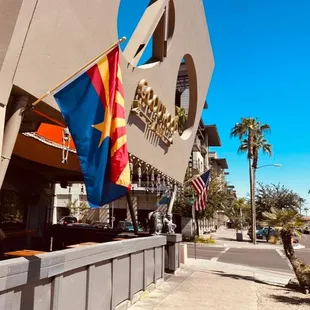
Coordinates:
(289, 221)
(182, 118)
(259, 143)
(235, 212)
(251, 135)
(306, 210)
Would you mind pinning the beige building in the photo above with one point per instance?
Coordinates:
(219, 165)
(207, 136)
(42, 43)
(202, 159)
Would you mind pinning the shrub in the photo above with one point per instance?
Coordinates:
(196, 239)
(209, 240)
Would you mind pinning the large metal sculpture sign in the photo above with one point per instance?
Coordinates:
(55, 47)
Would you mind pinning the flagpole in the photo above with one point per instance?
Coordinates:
(132, 212)
(79, 70)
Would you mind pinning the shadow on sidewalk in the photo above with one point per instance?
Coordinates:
(247, 278)
(243, 241)
(232, 239)
(293, 300)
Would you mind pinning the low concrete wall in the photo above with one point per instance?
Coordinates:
(106, 276)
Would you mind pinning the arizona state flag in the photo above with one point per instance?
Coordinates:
(93, 107)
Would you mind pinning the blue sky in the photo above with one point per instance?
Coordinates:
(262, 69)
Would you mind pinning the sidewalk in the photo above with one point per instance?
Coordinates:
(225, 237)
(218, 286)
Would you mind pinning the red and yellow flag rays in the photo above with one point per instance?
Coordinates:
(107, 79)
(119, 150)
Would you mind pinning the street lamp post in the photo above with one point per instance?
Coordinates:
(269, 165)
(253, 207)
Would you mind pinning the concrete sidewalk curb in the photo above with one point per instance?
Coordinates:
(201, 284)
(244, 246)
(258, 274)
(205, 244)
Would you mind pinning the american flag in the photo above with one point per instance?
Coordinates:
(201, 186)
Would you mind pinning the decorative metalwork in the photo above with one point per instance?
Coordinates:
(163, 184)
(65, 145)
(147, 188)
(168, 187)
(179, 192)
(139, 174)
(131, 168)
(152, 181)
(158, 184)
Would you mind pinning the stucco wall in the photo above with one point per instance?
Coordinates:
(8, 15)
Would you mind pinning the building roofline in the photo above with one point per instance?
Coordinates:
(213, 135)
(222, 162)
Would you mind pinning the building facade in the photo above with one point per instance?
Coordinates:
(41, 44)
(39, 41)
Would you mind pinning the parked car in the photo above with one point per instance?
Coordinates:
(306, 230)
(103, 225)
(262, 233)
(250, 230)
(67, 220)
(127, 226)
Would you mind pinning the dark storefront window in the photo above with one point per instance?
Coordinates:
(12, 211)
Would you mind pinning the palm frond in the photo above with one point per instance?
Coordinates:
(264, 128)
(286, 219)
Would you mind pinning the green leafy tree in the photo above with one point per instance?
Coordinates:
(77, 208)
(217, 196)
(278, 197)
(184, 201)
(238, 212)
(289, 221)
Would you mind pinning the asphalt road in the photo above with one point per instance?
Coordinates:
(273, 259)
(304, 254)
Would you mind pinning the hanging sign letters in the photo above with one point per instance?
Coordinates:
(148, 107)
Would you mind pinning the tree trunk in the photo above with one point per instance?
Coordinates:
(253, 213)
(301, 270)
(268, 234)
